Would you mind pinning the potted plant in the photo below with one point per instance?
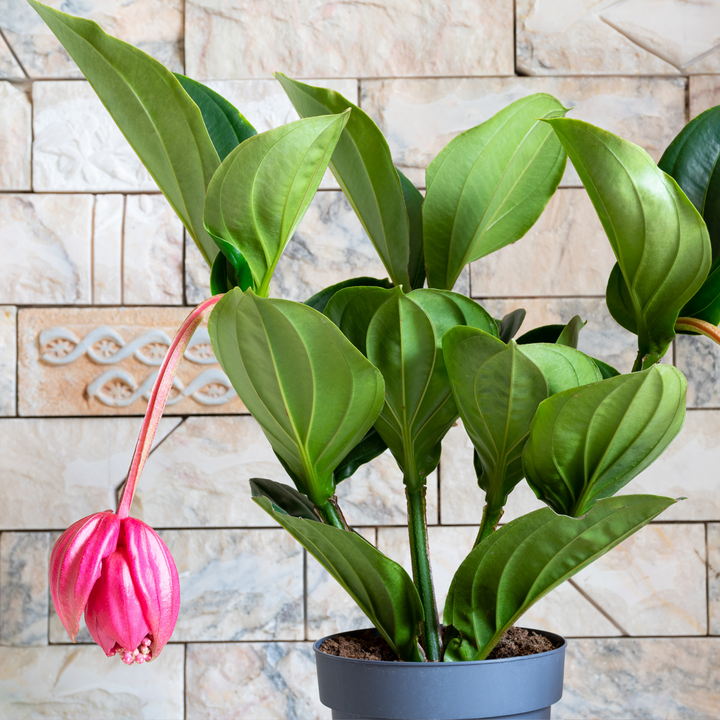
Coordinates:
(374, 364)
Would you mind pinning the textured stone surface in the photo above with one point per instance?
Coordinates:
(103, 361)
(154, 26)
(704, 92)
(80, 682)
(262, 681)
(713, 546)
(9, 67)
(77, 147)
(238, 584)
(395, 38)
(45, 241)
(152, 252)
(420, 116)
(57, 471)
(197, 274)
(8, 361)
(107, 249)
(15, 137)
(24, 588)
(699, 358)
(566, 252)
(617, 679)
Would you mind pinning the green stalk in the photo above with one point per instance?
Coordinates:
(489, 522)
(422, 575)
(331, 515)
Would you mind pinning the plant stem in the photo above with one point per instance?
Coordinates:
(488, 524)
(699, 326)
(637, 366)
(330, 514)
(422, 575)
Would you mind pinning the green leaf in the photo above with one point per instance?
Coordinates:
(588, 442)
(526, 559)
(570, 334)
(370, 447)
(497, 390)
(658, 237)
(320, 300)
(413, 203)
(619, 301)
(287, 499)
(313, 394)
(263, 188)
(561, 334)
(229, 270)
(156, 116)
(607, 371)
(380, 587)
(488, 186)
(363, 167)
(226, 126)
(563, 366)
(510, 324)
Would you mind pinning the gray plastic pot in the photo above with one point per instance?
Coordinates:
(521, 688)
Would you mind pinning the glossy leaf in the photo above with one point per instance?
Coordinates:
(607, 371)
(588, 442)
(510, 324)
(225, 124)
(488, 186)
(156, 116)
(286, 361)
(497, 390)
(561, 334)
(320, 300)
(363, 166)
(380, 587)
(413, 203)
(370, 447)
(229, 273)
(263, 188)
(570, 334)
(563, 366)
(284, 497)
(527, 558)
(658, 237)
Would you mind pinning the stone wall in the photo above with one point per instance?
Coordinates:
(95, 274)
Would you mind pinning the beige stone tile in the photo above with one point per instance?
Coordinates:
(574, 37)
(58, 471)
(329, 609)
(713, 548)
(9, 67)
(80, 682)
(15, 136)
(77, 147)
(238, 584)
(107, 249)
(357, 39)
(45, 242)
(704, 92)
(621, 678)
(197, 274)
(8, 361)
(705, 65)
(103, 361)
(699, 358)
(420, 116)
(24, 588)
(566, 252)
(155, 26)
(152, 252)
(262, 681)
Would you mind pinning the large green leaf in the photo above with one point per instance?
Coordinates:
(588, 442)
(380, 587)
(363, 167)
(526, 559)
(158, 118)
(563, 366)
(414, 203)
(263, 188)
(313, 394)
(488, 186)
(497, 390)
(658, 237)
(320, 299)
(287, 498)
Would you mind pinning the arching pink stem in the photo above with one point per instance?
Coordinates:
(158, 398)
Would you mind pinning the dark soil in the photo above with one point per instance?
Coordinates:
(367, 645)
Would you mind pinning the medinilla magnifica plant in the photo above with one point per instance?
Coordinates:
(376, 364)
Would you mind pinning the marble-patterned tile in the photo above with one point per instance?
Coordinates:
(643, 679)
(262, 681)
(358, 39)
(197, 274)
(58, 471)
(705, 65)
(70, 682)
(77, 147)
(713, 549)
(238, 584)
(699, 358)
(154, 26)
(9, 67)
(107, 249)
(557, 37)
(24, 588)
(704, 92)
(566, 252)
(103, 361)
(329, 609)
(15, 136)
(420, 116)
(46, 245)
(8, 361)
(152, 252)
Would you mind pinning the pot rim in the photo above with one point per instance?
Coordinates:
(464, 663)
